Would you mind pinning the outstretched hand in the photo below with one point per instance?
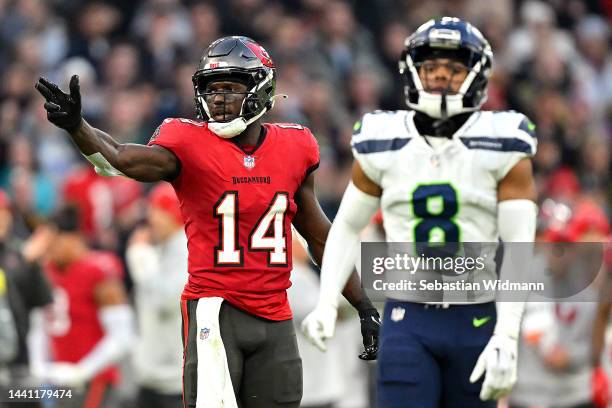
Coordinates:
(63, 110)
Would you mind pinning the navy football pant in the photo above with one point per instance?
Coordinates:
(427, 354)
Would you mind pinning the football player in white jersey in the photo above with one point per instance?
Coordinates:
(443, 171)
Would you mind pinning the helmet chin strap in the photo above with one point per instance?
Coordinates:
(438, 125)
(227, 130)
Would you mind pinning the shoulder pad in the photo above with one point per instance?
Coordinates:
(504, 131)
(185, 121)
(295, 126)
(381, 131)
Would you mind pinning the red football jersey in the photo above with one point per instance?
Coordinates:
(238, 208)
(73, 323)
(93, 196)
(100, 199)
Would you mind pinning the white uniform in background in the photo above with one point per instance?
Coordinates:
(454, 180)
(321, 371)
(159, 273)
(547, 325)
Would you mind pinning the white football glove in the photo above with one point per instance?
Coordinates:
(66, 374)
(320, 324)
(499, 359)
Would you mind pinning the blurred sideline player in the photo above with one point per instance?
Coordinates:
(241, 185)
(157, 261)
(559, 361)
(333, 379)
(445, 170)
(24, 292)
(322, 387)
(90, 324)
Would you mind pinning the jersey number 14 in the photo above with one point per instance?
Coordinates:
(268, 234)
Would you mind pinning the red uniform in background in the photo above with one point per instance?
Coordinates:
(238, 206)
(74, 326)
(93, 196)
(99, 199)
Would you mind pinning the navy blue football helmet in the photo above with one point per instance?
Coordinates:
(455, 39)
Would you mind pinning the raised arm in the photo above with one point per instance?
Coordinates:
(143, 163)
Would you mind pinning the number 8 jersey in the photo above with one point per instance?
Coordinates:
(442, 190)
(237, 207)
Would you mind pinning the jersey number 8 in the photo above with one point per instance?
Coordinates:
(435, 205)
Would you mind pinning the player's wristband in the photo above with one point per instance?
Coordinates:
(364, 307)
(102, 166)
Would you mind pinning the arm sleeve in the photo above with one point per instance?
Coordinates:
(342, 245)
(119, 334)
(516, 223)
(37, 342)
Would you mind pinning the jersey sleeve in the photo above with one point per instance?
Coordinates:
(165, 135)
(105, 266)
(377, 136)
(170, 135)
(519, 141)
(313, 155)
(301, 147)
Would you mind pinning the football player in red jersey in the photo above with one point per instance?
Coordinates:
(90, 324)
(241, 185)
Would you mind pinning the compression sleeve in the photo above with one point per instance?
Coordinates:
(342, 246)
(516, 220)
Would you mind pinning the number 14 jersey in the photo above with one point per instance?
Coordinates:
(237, 207)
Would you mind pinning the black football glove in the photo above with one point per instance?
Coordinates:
(63, 110)
(370, 325)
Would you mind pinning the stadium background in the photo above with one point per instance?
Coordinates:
(336, 60)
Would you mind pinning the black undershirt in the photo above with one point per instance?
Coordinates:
(428, 126)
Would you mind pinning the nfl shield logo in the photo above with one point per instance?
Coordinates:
(249, 162)
(204, 333)
(397, 314)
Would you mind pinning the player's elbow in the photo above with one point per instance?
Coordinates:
(149, 165)
(122, 161)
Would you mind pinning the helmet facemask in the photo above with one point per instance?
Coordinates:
(430, 43)
(252, 106)
(238, 60)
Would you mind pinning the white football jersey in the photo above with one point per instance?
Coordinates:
(440, 189)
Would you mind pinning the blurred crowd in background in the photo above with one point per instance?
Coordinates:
(335, 59)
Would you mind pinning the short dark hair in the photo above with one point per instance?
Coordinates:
(66, 219)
